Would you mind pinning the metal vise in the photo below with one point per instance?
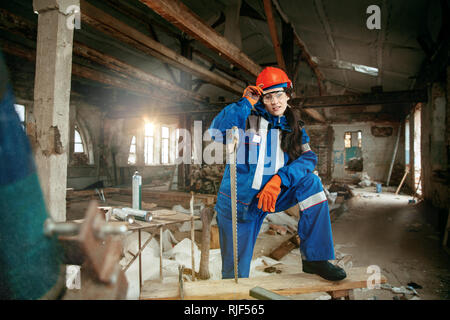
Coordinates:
(92, 244)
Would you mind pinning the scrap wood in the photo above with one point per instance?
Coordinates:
(286, 247)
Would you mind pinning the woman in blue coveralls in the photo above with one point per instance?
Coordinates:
(274, 172)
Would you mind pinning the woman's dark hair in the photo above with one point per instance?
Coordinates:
(291, 142)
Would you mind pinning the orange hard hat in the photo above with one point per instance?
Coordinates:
(272, 77)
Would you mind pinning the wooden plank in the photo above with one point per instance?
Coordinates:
(178, 14)
(263, 294)
(121, 31)
(286, 247)
(283, 284)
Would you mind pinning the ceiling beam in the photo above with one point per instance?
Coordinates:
(274, 34)
(366, 99)
(305, 55)
(288, 33)
(122, 32)
(307, 104)
(129, 71)
(436, 63)
(380, 98)
(27, 28)
(81, 71)
(329, 34)
(315, 114)
(180, 15)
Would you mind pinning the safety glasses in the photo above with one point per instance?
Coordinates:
(274, 95)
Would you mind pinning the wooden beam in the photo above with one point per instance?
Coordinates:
(287, 45)
(27, 28)
(315, 114)
(180, 15)
(306, 56)
(393, 97)
(283, 284)
(225, 69)
(313, 66)
(288, 33)
(309, 104)
(132, 72)
(274, 34)
(101, 77)
(121, 31)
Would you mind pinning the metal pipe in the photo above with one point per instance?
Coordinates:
(72, 229)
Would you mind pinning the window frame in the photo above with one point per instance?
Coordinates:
(167, 139)
(148, 138)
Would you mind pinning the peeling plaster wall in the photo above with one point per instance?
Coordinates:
(435, 146)
(321, 139)
(377, 152)
(89, 120)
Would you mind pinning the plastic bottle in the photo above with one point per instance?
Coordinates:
(136, 202)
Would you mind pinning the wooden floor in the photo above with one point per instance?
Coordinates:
(227, 289)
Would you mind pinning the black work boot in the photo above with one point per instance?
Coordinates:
(324, 269)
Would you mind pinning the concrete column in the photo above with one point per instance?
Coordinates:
(51, 100)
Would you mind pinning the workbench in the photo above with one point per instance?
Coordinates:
(161, 218)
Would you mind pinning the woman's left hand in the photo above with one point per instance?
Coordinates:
(269, 194)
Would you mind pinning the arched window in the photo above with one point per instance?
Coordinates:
(78, 142)
(132, 154)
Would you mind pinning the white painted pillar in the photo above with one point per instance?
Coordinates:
(51, 100)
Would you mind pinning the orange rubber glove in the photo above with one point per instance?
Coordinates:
(269, 194)
(252, 93)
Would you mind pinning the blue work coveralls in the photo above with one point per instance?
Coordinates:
(259, 157)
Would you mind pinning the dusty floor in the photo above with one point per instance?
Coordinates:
(384, 230)
(380, 229)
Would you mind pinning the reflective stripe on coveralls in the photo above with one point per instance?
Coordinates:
(279, 157)
(257, 179)
(312, 200)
